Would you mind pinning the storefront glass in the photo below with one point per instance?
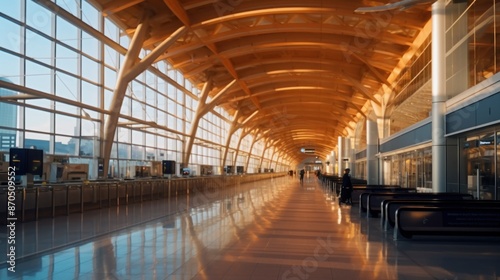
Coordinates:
(478, 165)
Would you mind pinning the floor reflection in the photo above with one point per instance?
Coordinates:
(277, 229)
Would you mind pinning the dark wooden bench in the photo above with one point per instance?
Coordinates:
(356, 184)
(447, 220)
(357, 190)
(363, 196)
(374, 200)
(390, 206)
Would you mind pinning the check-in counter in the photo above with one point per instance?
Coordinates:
(53, 199)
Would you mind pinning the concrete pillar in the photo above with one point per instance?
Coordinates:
(438, 97)
(331, 167)
(372, 163)
(340, 145)
(349, 156)
(383, 126)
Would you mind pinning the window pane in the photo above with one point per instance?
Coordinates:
(125, 109)
(171, 122)
(161, 143)
(38, 17)
(179, 111)
(65, 125)
(161, 103)
(8, 111)
(150, 96)
(162, 118)
(171, 106)
(179, 125)
(66, 59)
(65, 145)
(38, 141)
(11, 8)
(137, 109)
(62, 107)
(66, 86)
(38, 77)
(90, 15)
(125, 42)
(12, 69)
(171, 91)
(110, 30)
(90, 69)
(150, 113)
(70, 6)
(90, 45)
(87, 147)
(109, 78)
(89, 128)
(137, 90)
(138, 137)
(66, 33)
(11, 35)
(110, 56)
(90, 94)
(123, 134)
(150, 140)
(137, 152)
(38, 47)
(124, 151)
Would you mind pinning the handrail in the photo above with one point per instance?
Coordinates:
(86, 195)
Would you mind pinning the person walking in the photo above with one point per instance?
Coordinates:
(302, 172)
(346, 191)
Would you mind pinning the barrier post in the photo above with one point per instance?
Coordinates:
(23, 202)
(37, 196)
(169, 186)
(67, 200)
(53, 203)
(81, 198)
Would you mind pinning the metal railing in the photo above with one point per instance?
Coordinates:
(49, 200)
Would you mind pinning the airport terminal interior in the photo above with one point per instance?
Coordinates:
(275, 229)
(165, 139)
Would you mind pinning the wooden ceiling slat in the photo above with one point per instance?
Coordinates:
(114, 7)
(337, 60)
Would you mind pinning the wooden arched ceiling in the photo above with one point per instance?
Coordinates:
(309, 67)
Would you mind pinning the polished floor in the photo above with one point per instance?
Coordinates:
(267, 230)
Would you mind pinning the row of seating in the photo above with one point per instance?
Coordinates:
(411, 214)
(334, 183)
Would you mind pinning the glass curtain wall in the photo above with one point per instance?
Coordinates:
(409, 169)
(479, 158)
(46, 52)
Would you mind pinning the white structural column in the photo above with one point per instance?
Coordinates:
(330, 168)
(372, 163)
(202, 109)
(383, 125)
(232, 129)
(340, 145)
(349, 156)
(244, 133)
(438, 97)
(235, 125)
(254, 140)
(120, 91)
(266, 146)
(130, 68)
